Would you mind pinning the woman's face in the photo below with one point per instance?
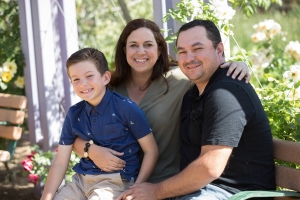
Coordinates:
(141, 51)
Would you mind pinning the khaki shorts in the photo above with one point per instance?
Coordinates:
(93, 187)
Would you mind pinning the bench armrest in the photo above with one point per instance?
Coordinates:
(250, 194)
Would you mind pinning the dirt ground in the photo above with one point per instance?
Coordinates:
(19, 188)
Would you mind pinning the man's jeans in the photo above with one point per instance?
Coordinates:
(209, 192)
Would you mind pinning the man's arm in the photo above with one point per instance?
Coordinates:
(206, 168)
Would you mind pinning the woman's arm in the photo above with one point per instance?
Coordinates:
(239, 69)
(149, 146)
(57, 171)
(104, 158)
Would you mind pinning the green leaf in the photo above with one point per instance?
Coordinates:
(297, 84)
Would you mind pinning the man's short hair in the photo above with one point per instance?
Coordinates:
(212, 31)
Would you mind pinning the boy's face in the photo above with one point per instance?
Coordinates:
(87, 81)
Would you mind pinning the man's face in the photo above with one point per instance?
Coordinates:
(197, 58)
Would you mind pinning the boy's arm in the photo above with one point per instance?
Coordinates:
(149, 146)
(57, 171)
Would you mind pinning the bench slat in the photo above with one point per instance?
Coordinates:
(10, 132)
(286, 198)
(287, 177)
(286, 150)
(12, 116)
(13, 101)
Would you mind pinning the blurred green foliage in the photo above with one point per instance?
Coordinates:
(100, 22)
(10, 45)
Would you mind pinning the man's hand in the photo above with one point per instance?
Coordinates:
(139, 191)
(106, 159)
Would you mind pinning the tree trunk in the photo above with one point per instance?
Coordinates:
(124, 10)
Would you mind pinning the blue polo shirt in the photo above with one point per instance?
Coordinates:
(116, 123)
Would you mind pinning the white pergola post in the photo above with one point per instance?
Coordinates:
(49, 36)
(160, 8)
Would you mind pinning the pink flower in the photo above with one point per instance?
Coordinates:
(56, 150)
(33, 178)
(31, 155)
(27, 164)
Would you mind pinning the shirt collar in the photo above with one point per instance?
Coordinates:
(100, 108)
(216, 77)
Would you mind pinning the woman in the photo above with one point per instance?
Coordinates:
(143, 74)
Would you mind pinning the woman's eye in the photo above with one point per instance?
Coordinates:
(133, 45)
(74, 80)
(148, 45)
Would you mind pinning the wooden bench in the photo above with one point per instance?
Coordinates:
(286, 177)
(12, 114)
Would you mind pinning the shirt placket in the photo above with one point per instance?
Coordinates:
(94, 124)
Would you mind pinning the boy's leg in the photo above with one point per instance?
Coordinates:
(108, 186)
(72, 190)
(209, 192)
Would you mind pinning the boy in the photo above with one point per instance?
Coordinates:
(104, 118)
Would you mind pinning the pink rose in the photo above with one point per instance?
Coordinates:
(27, 164)
(33, 178)
(31, 155)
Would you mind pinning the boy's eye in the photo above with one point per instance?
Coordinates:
(90, 76)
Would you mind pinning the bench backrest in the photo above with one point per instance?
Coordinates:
(287, 177)
(12, 115)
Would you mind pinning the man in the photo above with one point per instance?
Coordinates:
(226, 138)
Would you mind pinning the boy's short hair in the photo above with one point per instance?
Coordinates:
(88, 54)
